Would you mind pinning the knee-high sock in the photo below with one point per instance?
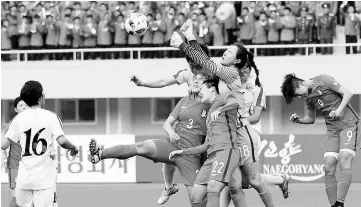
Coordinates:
(331, 188)
(168, 175)
(119, 152)
(238, 198)
(344, 184)
(212, 199)
(265, 194)
(199, 203)
(272, 179)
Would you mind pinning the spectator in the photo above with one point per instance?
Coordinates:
(24, 35)
(204, 35)
(102, 11)
(195, 25)
(104, 35)
(159, 28)
(260, 33)
(352, 27)
(90, 34)
(22, 11)
(65, 37)
(36, 40)
(52, 35)
(288, 22)
(121, 36)
(13, 27)
(171, 24)
(326, 28)
(77, 33)
(216, 30)
(274, 25)
(247, 26)
(230, 25)
(147, 40)
(5, 39)
(304, 29)
(77, 12)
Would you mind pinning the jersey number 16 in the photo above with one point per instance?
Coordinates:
(34, 143)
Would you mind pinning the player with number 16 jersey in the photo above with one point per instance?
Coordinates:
(36, 129)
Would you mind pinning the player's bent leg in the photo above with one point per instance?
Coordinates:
(236, 189)
(170, 187)
(198, 196)
(279, 180)
(225, 197)
(346, 157)
(252, 173)
(330, 161)
(214, 188)
(168, 175)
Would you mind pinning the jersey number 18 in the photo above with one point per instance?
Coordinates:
(34, 143)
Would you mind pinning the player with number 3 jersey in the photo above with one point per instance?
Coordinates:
(324, 94)
(190, 131)
(36, 129)
(221, 145)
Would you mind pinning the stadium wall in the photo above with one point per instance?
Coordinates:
(110, 78)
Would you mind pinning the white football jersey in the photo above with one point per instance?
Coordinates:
(36, 129)
(259, 99)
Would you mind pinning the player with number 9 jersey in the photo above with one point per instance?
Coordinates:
(343, 131)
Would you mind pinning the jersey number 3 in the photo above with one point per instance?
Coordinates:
(190, 125)
(34, 143)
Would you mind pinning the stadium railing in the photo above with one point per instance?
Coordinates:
(310, 49)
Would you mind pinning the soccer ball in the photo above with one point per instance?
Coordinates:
(136, 24)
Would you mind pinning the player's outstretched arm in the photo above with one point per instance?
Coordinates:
(227, 74)
(66, 144)
(195, 150)
(160, 83)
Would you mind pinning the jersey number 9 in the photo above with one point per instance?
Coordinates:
(34, 143)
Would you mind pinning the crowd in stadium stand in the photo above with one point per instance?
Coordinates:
(67, 24)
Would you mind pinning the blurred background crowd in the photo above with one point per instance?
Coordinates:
(94, 24)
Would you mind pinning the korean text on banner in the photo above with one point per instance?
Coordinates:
(79, 170)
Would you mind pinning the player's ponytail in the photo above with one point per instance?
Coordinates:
(253, 65)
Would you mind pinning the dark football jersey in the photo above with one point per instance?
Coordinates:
(324, 97)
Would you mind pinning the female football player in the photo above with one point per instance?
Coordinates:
(189, 132)
(233, 60)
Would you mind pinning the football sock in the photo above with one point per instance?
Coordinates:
(212, 199)
(168, 175)
(119, 152)
(199, 203)
(331, 188)
(272, 179)
(238, 198)
(13, 203)
(265, 194)
(344, 184)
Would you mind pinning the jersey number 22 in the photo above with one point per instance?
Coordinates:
(34, 143)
